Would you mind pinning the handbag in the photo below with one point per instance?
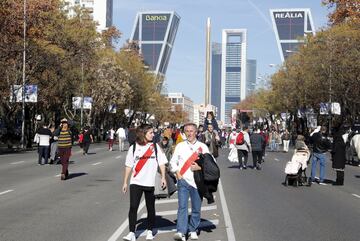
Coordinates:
(233, 155)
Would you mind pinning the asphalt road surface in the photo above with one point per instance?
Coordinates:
(249, 205)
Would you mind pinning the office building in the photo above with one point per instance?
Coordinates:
(233, 71)
(215, 84)
(101, 11)
(291, 27)
(155, 33)
(185, 102)
(250, 76)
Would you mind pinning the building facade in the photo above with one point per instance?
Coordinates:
(215, 84)
(185, 102)
(155, 33)
(250, 76)
(101, 11)
(233, 70)
(290, 27)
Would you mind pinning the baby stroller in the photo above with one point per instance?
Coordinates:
(296, 168)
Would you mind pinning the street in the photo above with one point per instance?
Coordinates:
(35, 205)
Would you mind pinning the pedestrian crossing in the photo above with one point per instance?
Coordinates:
(166, 215)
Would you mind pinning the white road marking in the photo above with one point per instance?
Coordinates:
(58, 175)
(174, 212)
(124, 225)
(355, 195)
(228, 223)
(118, 157)
(172, 229)
(14, 163)
(277, 160)
(166, 201)
(95, 164)
(7, 191)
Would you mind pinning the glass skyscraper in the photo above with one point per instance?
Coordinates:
(291, 26)
(215, 86)
(155, 33)
(233, 70)
(250, 76)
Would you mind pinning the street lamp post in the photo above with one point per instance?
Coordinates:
(22, 141)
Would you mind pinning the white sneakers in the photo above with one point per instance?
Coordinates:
(179, 237)
(130, 237)
(193, 236)
(149, 235)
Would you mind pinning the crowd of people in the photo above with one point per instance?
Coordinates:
(181, 152)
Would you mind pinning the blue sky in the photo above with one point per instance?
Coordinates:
(186, 70)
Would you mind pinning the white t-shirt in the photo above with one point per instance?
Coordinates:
(121, 133)
(146, 176)
(111, 134)
(181, 154)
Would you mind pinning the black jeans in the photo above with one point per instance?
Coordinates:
(242, 154)
(257, 156)
(86, 147)
(136, 192)
(43, 153)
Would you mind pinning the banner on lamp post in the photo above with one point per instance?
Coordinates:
(31, 93)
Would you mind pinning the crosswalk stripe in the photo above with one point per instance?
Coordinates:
(174, 212)
(95, 164)
(172, 228)
(166, 201)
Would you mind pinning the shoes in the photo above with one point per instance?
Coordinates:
(149, 235)
(193, 236)
(322, 183)
(62, 177)
(244, 167)
(179, 237)
(240, 168)
(130, 237)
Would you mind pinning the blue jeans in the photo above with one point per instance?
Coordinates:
(272, 145)
(321, 158)
(184, 191)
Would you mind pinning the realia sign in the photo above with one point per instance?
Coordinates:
(289, 15)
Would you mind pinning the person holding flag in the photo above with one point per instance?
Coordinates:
(183, 164)
(142, 161)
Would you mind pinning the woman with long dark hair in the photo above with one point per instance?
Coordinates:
(142, 161)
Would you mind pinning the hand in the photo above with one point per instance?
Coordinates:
(195, 167)
(178, 176)
(125, 188)
(163, 183)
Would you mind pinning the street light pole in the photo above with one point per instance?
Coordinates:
(22, 141)
(82, 93)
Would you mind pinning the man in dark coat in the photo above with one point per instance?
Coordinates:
(338, 155)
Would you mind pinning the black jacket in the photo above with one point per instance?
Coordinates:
(320, 143)
(207, 179)
(338, 151)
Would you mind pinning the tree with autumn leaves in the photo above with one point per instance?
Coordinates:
(325, 68)
(66, 57)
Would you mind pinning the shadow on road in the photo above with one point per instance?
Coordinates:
(234, 166)
(357, 176)
(78, 174)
